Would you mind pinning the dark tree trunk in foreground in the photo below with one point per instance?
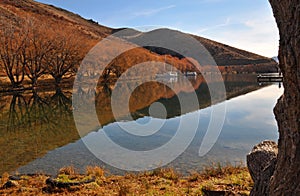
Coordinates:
(286, 179)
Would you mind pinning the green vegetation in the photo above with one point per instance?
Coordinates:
(163, 181)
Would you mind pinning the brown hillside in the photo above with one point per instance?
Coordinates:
(16, 13)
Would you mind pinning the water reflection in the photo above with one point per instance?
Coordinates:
(33, 123)
(37, 123)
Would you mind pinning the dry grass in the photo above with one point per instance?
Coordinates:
(163, 181)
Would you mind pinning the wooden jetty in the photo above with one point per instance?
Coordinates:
(269, 78)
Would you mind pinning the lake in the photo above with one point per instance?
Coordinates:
(38, 132)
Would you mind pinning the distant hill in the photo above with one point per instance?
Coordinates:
(223, 54)
(229, 59)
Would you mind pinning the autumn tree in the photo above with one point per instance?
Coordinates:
(12, 41)
(36, 47)
(66, 53)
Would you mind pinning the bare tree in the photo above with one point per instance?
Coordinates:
(36, 47)
(64, 58)
(11, 43)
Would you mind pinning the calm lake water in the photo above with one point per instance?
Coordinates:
(38, 132)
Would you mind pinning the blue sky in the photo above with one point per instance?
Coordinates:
(246, 24)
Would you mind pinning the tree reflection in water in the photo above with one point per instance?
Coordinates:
(34, 123)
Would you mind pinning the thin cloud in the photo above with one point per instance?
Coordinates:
(153, 11)
(258, 34)
(226, 23)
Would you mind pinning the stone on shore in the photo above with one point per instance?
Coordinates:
(261, 162)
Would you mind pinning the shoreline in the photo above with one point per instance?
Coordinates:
(165, 181)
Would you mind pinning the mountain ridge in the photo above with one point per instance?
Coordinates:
(15, 12)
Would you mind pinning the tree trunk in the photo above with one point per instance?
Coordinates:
(286, 179)
(57, 81)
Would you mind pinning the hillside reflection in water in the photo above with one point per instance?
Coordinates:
(38, 131)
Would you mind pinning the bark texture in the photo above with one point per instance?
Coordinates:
(286, 178)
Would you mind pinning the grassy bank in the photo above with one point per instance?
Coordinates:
(227, 179)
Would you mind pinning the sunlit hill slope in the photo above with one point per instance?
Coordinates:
(51, 20)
